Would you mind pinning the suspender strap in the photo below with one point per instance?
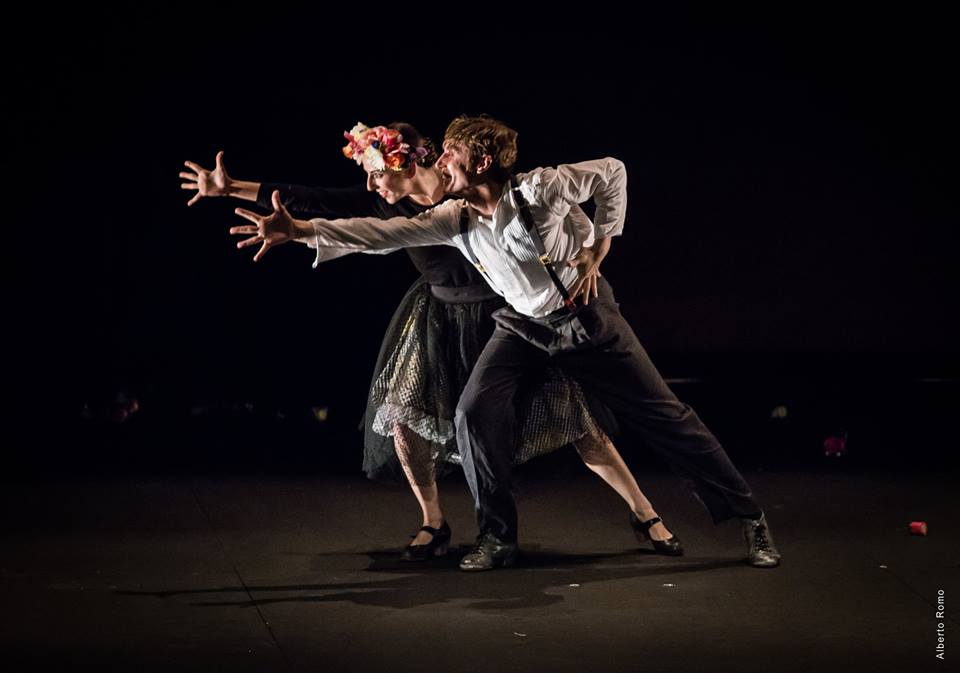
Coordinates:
(464, 234)
(527, 218)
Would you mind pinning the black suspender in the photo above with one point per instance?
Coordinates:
(527, 219)
(464, 234)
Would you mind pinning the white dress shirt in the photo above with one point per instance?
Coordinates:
(501, 242)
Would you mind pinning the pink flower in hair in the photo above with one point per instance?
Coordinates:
(381, 146)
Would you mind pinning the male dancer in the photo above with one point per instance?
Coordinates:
(513, 228)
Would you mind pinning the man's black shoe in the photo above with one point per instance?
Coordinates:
(490, 552)
(761, 552)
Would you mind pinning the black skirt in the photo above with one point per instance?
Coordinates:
(426, 357)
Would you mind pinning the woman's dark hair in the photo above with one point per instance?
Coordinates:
(414, 138)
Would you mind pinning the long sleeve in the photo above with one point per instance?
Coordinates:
(328, 254)
(328, 202)
(437, 226)
(604, 180)
(332, 203)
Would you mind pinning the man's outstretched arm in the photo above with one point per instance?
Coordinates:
(433, 227)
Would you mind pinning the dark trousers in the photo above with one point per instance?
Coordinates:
(597, 348)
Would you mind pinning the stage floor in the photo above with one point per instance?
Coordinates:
(299, 573)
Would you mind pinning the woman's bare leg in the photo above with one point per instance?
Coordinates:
(414, 454)
(601, 456)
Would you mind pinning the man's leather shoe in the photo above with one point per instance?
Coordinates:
(761, 552)
(490, 552)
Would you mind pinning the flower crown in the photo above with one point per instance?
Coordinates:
(382, 147)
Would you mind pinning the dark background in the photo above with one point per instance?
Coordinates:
(789, 238)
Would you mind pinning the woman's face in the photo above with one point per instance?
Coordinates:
(390, 185)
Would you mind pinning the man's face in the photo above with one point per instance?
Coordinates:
(455, 168)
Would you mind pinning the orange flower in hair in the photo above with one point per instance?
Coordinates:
(382, 147)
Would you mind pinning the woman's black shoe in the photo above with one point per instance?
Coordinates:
(669, 547)
(437, 546)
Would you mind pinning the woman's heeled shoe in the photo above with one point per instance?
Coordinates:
(437, 546)
(669, 547)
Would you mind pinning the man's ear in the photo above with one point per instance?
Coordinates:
(484, 164)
